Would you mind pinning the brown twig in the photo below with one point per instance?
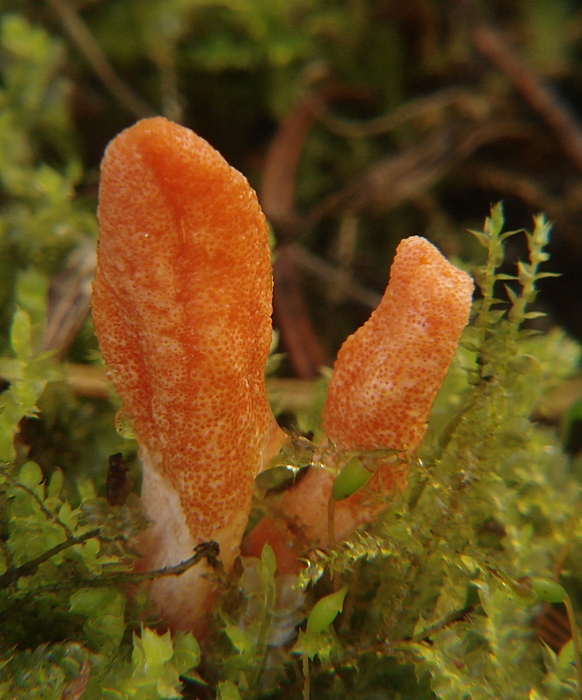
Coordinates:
(494, 46)
(333, 275)
(206, 550)
(521, 186)
(76, 689)
(277, 190)
(304, 350)
(29, 568)
(89, 381)
(413, 109)
(398, 178)
(69, 299)
(85, 42)
(165, 58)
(277, 196)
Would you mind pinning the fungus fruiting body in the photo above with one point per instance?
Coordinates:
(182, 306)
(385, 379)
(388, 372)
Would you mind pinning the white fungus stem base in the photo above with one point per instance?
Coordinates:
(182, 602)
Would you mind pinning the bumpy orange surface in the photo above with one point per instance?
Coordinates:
(181, 305)
(384, 382)
(388, 372)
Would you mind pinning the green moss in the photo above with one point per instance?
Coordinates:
(491, 501)
(433, 589)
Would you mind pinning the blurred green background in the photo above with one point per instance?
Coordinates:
(359, 122)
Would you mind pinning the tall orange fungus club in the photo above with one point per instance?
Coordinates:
(182, 306)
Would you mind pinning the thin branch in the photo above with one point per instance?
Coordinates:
(277, 192)
(88, 46)
(406, 112)
(53, 517)
(305, 352)
(29, 568)
(172, 104)
(447, 621)
(401, 177)
(493, 45)
(207, 550)
(332, 274)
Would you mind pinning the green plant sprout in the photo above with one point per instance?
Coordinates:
(315, 639)
(352, 476)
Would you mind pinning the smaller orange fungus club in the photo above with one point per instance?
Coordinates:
(182, 306)
(388, 372)
(384, 382)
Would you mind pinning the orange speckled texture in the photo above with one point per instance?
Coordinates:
(181, 305)
(388, 372)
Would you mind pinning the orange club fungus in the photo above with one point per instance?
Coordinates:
(182, 310)
(387, 374)
(182, 305)
(384, 382)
